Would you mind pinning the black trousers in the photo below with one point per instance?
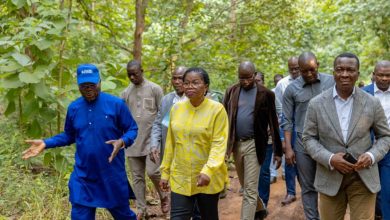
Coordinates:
(182, 207)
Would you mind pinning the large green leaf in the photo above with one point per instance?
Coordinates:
(41, 90)
(47, 114)
(34, 130)
(19, 3)
(31, 108)
(9, 66)
(11, 82)
(43, 44)
(10, 108)
(108, 85)
(22, 59)
(28, 77)
(41, 71)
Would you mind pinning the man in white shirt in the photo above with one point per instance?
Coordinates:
(380, 88)
(289, 170)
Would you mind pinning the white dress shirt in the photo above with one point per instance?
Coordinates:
(281, 87)
(384, 98)
(344, 109)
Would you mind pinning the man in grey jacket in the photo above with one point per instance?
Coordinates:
(337, 136)
(160, 124)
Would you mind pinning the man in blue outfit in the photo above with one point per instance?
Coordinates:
(101, 126)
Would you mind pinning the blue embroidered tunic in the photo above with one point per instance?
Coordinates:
(94, 181)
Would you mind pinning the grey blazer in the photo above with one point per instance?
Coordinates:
(322, 136)
(159, 131)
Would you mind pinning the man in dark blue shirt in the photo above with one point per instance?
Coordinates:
(101, 126)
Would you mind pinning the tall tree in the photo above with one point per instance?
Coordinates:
(140, 8)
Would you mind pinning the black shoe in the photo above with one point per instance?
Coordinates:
(272, 180)
(260, 215)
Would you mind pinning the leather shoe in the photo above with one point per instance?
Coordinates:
(261, 215)
(272, 180)
(165, 204)
(289, 199)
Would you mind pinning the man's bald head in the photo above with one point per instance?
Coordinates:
(306, 57)
(135, 72)
(180, 70)
(293, 67)
(308, 66)
(177, 79)
(246, 67)
(382, 64)
(246, 74)
(381, 75)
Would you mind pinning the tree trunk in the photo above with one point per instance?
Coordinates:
(140, 11)
(61, 65)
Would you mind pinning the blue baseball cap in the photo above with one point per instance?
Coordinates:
(87, 73)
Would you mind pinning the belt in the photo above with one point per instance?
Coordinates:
(245, 139)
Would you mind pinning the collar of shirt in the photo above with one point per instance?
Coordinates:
(178, 98)
(316, 81)
(377, 90)
(336, 95)
(141, 85)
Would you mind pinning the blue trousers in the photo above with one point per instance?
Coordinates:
(80, 212)
(383, 197)
(290, 175)
(265, 176)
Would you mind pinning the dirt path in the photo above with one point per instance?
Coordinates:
(230, 207)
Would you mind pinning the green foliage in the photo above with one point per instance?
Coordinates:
(43, 41)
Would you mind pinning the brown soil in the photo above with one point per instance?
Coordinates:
(230, 207)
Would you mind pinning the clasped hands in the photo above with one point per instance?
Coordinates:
(339, 163)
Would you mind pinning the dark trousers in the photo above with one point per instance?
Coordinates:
(182, 207)
(80, 212)
(383, 197)
(265, 176)
(306, 167)
(290, 175)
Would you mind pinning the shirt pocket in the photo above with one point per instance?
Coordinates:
(148, 104)
(302, 102)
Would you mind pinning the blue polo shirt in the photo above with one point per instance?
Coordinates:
(94, 181)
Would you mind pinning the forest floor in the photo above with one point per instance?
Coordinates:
(230, 206)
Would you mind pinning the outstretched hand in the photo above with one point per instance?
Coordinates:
(117, 145)
(37, 146)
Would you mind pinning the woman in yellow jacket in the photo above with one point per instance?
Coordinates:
(193, 162)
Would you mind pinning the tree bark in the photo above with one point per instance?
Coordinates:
(140, 11)
(61, 65)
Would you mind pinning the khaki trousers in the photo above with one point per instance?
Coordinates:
(353, 192)
(138, 165)
(248, 170)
